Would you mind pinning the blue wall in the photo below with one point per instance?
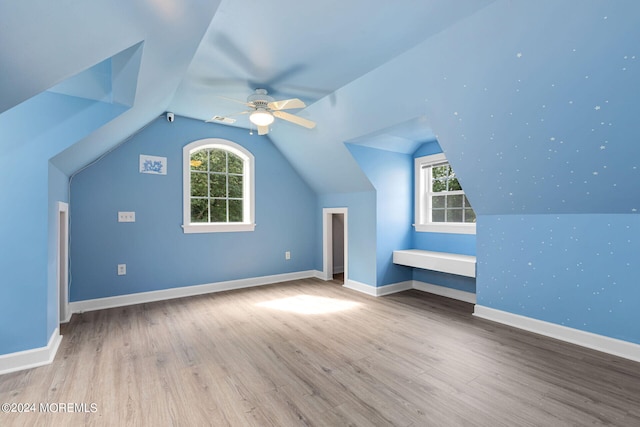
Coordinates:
(361, 227)
(157, 253)
(392, 176)
(579, 271)
(30, 134)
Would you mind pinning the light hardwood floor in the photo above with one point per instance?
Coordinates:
(313, 353)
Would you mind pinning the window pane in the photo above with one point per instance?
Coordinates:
(437, 215)
(199, 160)
(218, 210)
(235, 164)
(198, 184)
(438, 185)
(218, 161)
(454, 215)
(199, 210)
(235, 211)
(440, 171)
(235, 186)
(437, 201)
(218, 185)
(469, 215)
(466, 202)
(454, 185)
(454, 201)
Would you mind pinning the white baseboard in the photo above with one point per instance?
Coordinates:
(33, 358)
(445, 292)
(186, 291)
(320, 275)
(360, 287)
(394, 288)
(590, 340)
(410, 284)
(380, 290)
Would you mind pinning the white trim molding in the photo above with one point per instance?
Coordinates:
(327, 242)
(422, 213)
(186, 291)
(378, 291)
(411, 284)
(590, 340)
(248, 191)
(360, 287)
(32, 358)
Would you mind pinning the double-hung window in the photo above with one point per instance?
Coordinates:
(441, 205)
(218, 187)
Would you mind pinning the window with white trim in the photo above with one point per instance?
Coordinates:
(441, 205)
(218, 187)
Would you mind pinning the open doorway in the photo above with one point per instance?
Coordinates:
(335, 245)
(63, 262)
(337, 230)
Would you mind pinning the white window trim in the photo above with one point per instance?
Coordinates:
(423, 224)
(248, 223)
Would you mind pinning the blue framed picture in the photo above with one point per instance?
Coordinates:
(153, 164)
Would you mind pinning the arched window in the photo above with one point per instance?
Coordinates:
(218, 187)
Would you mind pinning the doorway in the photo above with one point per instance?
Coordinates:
(63, 262)
(335, 244)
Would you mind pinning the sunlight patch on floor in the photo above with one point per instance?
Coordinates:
(309, 304)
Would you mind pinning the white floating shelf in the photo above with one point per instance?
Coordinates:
(463, 265)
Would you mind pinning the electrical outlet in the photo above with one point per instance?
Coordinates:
(126, 217)
(122, 269)
(287, 255)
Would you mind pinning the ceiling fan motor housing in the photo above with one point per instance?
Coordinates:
(260, 99)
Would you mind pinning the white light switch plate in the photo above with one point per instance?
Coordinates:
(122, 269)
(126, 217)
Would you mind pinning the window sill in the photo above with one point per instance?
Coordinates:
(446, 228)
(217, 228)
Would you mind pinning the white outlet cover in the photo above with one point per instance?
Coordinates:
(122, 269)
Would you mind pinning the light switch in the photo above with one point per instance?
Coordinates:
(126, 217)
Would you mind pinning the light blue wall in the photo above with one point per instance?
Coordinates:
(30, 134)
(361, 229)
(579, 271)
(157, 253)
(392, 176)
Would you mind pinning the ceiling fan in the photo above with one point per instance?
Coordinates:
(263, 110)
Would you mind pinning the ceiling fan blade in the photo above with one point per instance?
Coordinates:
(294, 119)
(286, 104)
(263, 130)
(233, 100)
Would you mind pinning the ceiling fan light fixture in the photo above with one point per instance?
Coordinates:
(261, 117)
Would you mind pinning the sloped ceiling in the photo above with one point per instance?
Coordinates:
(533, 102)
(45, 43)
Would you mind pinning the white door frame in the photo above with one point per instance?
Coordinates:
(327, 242)
(63, 262)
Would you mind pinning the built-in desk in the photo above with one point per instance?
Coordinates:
(463, 265)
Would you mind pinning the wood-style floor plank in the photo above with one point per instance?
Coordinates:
(312, 353)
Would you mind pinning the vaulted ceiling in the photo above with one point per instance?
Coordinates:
(533, 102)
